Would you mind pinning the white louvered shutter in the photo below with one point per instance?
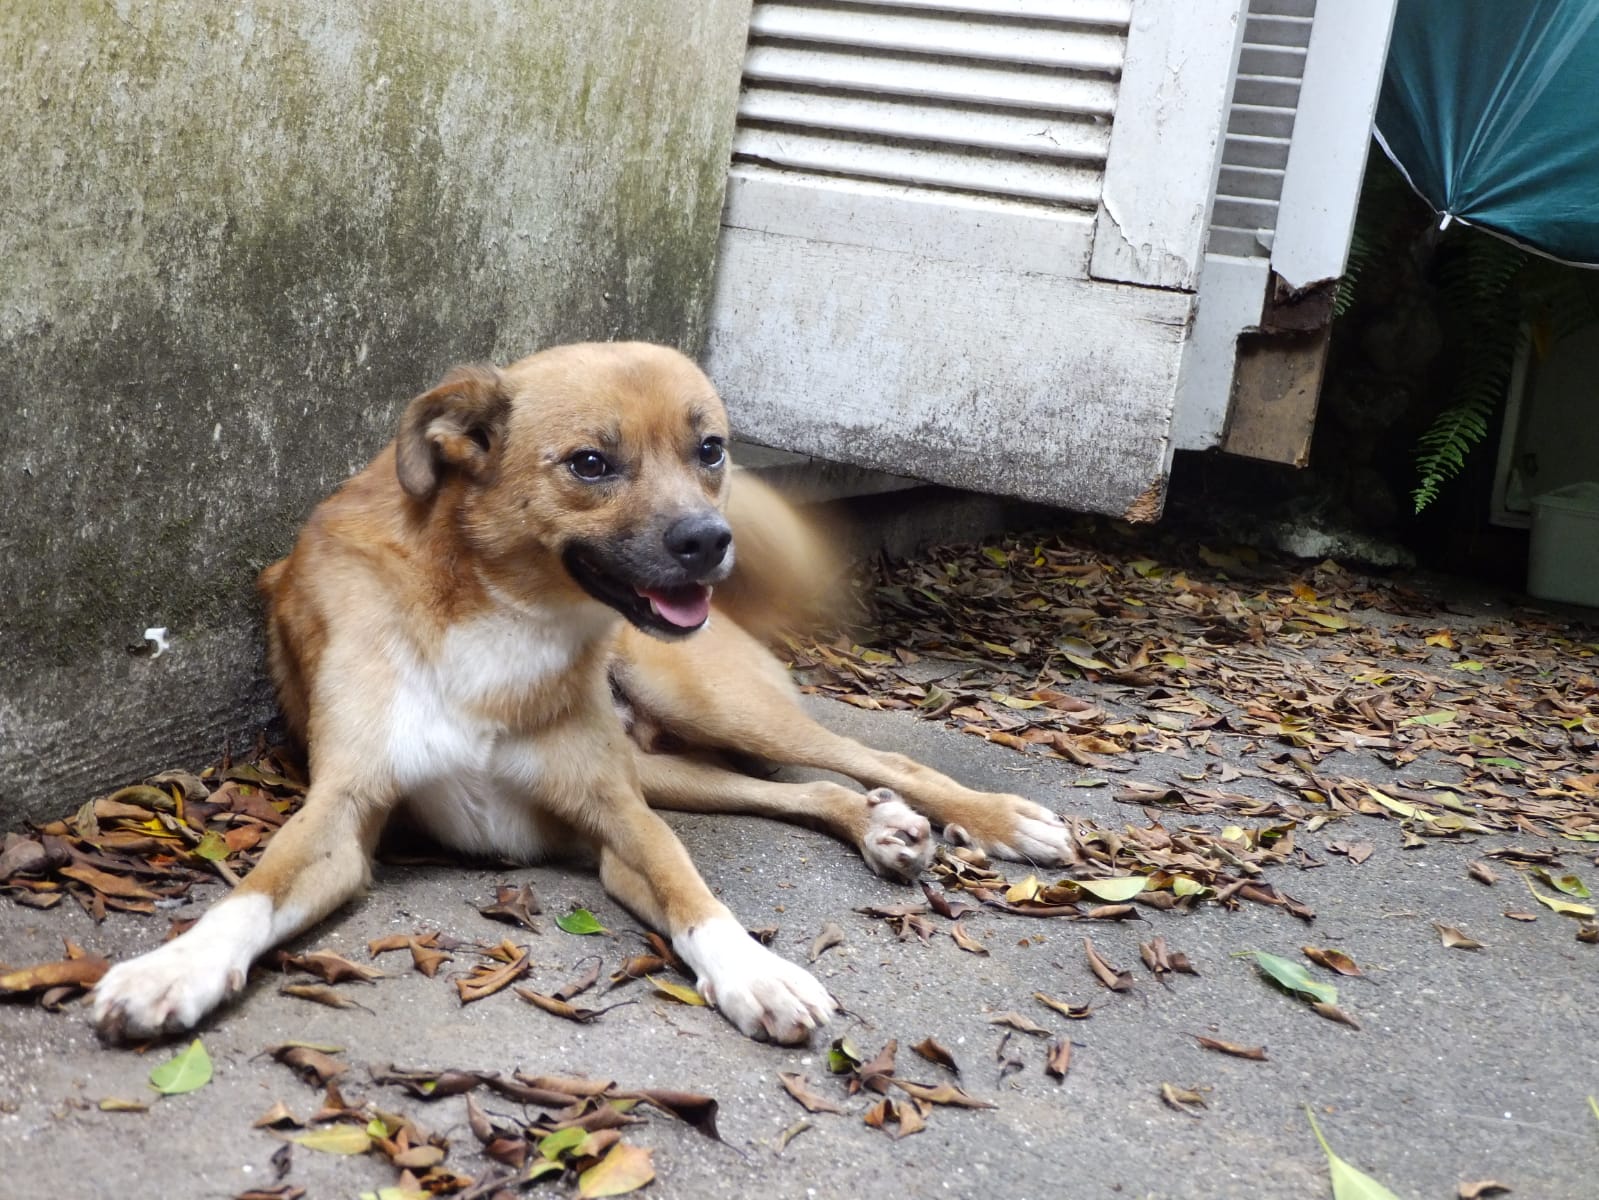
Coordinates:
(1260, 127)
(932, 211)
(1013, 100)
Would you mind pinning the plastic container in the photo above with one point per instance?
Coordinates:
(1563, 563)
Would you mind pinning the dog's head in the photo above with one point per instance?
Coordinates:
(600, 467)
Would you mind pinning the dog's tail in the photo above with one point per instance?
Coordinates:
(789, 567)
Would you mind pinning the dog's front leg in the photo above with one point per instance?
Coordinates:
(319, 859)
(643, 865)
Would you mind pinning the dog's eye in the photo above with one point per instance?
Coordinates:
(589, 465)
(712, 452)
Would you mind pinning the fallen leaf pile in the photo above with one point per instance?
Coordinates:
(577, 1134)
(144, 847)
(1083, 649)
(898, 1106)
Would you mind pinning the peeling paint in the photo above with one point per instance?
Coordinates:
(1150, 504)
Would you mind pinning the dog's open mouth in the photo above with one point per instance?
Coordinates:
(669, 609)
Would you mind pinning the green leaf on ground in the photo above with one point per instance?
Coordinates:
(1347, 1183)
(183, 1072)
(581, 921)
(1569, 884)
(211, 847)
(1293, 977)
(561, 1141)
(1569, 907)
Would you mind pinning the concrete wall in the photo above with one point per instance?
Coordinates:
(234, 239)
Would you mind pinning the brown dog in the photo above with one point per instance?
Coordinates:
(456, 629)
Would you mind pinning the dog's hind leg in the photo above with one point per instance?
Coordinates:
(895, 841)
(318, 860)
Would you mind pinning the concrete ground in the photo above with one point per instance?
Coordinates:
(1468, 1065)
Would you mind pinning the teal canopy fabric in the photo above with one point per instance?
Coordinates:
(1491, 108)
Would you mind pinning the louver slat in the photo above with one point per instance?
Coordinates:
(1260, 126)
(1012, 86)
(1003, 98)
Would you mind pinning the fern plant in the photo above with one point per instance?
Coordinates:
(1495, 295)
(1479, 288)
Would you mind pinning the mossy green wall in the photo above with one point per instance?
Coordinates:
(235, 239)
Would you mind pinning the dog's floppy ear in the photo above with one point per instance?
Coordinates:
(460, 424)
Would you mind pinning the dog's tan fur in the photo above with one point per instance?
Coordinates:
(429, 602)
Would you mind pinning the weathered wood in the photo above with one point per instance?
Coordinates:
(1028, 385)
(1275, 389)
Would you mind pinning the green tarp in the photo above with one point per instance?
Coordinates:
(1491, 108)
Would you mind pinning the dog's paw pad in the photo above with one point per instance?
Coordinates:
(899, 841)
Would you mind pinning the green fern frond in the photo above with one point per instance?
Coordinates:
(1442, 448)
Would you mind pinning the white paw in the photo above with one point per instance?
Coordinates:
(1036, 835)
(172, 988)
(765, 995)
(899, 841)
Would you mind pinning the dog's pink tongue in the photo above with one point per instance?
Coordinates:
(685, 607)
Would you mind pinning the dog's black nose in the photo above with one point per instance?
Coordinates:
(699, 541)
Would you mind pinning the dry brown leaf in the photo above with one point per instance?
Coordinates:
(1333, 960)
(514, 905)
(331, 968)
(965, 940)
(1256, 1053)
(944, 905)
(1072, 1012)
(905, 1118)
(1184, 1100)
(426, 958)
(80, 972)
(1021, 1024)
(418, 1158)
(277, 1117)
(830, 936)
(320, 993)
(486, 980)
(1482, 873)
(555, 1006)
(1333, 1013)
(1454, 939)
(943, 1093)
(636, 967)
(936, 1054)
(799, 1087)
(1481, 1189)
(877, 1073)
(105, 883)
(580, 982)
(312, 1065)
(1059, 1059)
(1116, 981)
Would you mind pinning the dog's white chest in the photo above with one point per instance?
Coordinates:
(472, 780)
